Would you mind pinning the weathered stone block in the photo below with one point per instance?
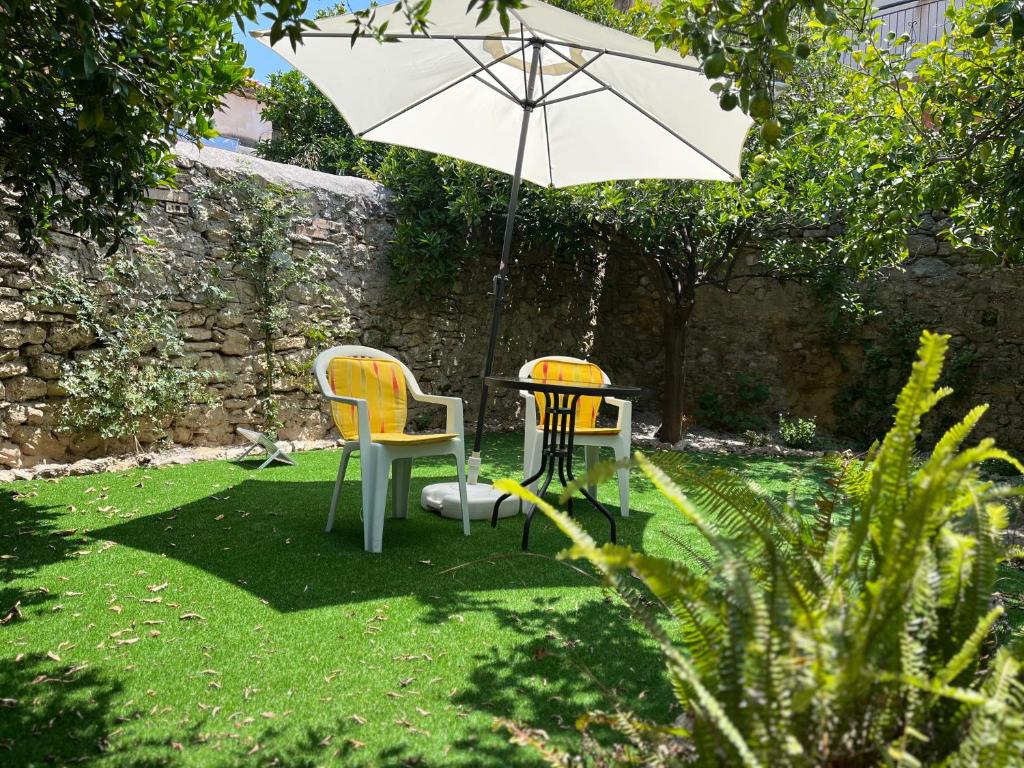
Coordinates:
(922, 245)
(10, 337)
(233, 342)
(11, 368)
(46, 366)
(37, 442)
(12, 311)
(287, 343)
(64, 338)
(10, 455)
(22, 388)
(198, 334)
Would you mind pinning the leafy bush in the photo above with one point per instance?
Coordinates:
(129, 382)
(133, 375)
(797, 432)
(309, 132)
(755, 439)
(861, 632)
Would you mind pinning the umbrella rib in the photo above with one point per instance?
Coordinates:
(544, 94)
(429, 96)
(497, 90)
(547, 132)
(591, 92)
(486, 69)
(624, 55)
(522, 41)
(652, 118)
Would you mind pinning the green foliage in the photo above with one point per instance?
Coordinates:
(862, 406)
(260, 248)
(133, 375)
(756, 439)
(944, 120)
(823, 637)
(797, 432)
(309, 132)
(736, 409)
(94, 93)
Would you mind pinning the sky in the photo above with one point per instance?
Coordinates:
(262, 59)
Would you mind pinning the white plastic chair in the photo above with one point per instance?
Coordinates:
(591, 437)
(365, 394)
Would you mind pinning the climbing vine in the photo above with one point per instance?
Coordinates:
(261, 253)
(134, 373)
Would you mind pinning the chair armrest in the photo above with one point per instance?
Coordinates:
(625, 421)
(454, 422)
(531, 418)
(362, 415)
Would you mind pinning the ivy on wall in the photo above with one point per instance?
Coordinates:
(134, 374)
(261, 252)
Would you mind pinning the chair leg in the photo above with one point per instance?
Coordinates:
(373, 528)
(271, 458)
(460, 468)
(401, 474)
(592, 454)
(622, 452)
(343, 464)
(532, 458)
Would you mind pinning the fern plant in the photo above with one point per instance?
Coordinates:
(859, 633)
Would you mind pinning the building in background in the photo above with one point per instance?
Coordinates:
(239, 122)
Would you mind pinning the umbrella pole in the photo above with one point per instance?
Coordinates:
(501, 278)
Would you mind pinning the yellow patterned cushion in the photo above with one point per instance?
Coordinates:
(380, 382)
(556, 371)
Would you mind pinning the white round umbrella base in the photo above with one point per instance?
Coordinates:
(444, 498)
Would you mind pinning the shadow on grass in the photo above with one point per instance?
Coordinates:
(52, 713)
(266, 535)
(29, 540)
(568, 660)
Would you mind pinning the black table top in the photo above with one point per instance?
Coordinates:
(564, 387)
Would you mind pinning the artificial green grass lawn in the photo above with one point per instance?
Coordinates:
(199, 615)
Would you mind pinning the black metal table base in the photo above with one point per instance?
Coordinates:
(556, 451)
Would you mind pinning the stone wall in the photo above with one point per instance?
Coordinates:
(442, 337)
(784, 338)
(813, 361)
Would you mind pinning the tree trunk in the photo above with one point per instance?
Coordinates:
(673, 335)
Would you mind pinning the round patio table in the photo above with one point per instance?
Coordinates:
(559, 424)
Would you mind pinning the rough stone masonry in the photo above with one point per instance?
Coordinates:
(784, 336)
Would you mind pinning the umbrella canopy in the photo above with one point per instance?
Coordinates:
(605, 105)
(608, 106)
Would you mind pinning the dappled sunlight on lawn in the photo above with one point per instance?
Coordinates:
(201, 614)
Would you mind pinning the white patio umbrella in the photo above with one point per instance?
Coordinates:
(559, 101)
